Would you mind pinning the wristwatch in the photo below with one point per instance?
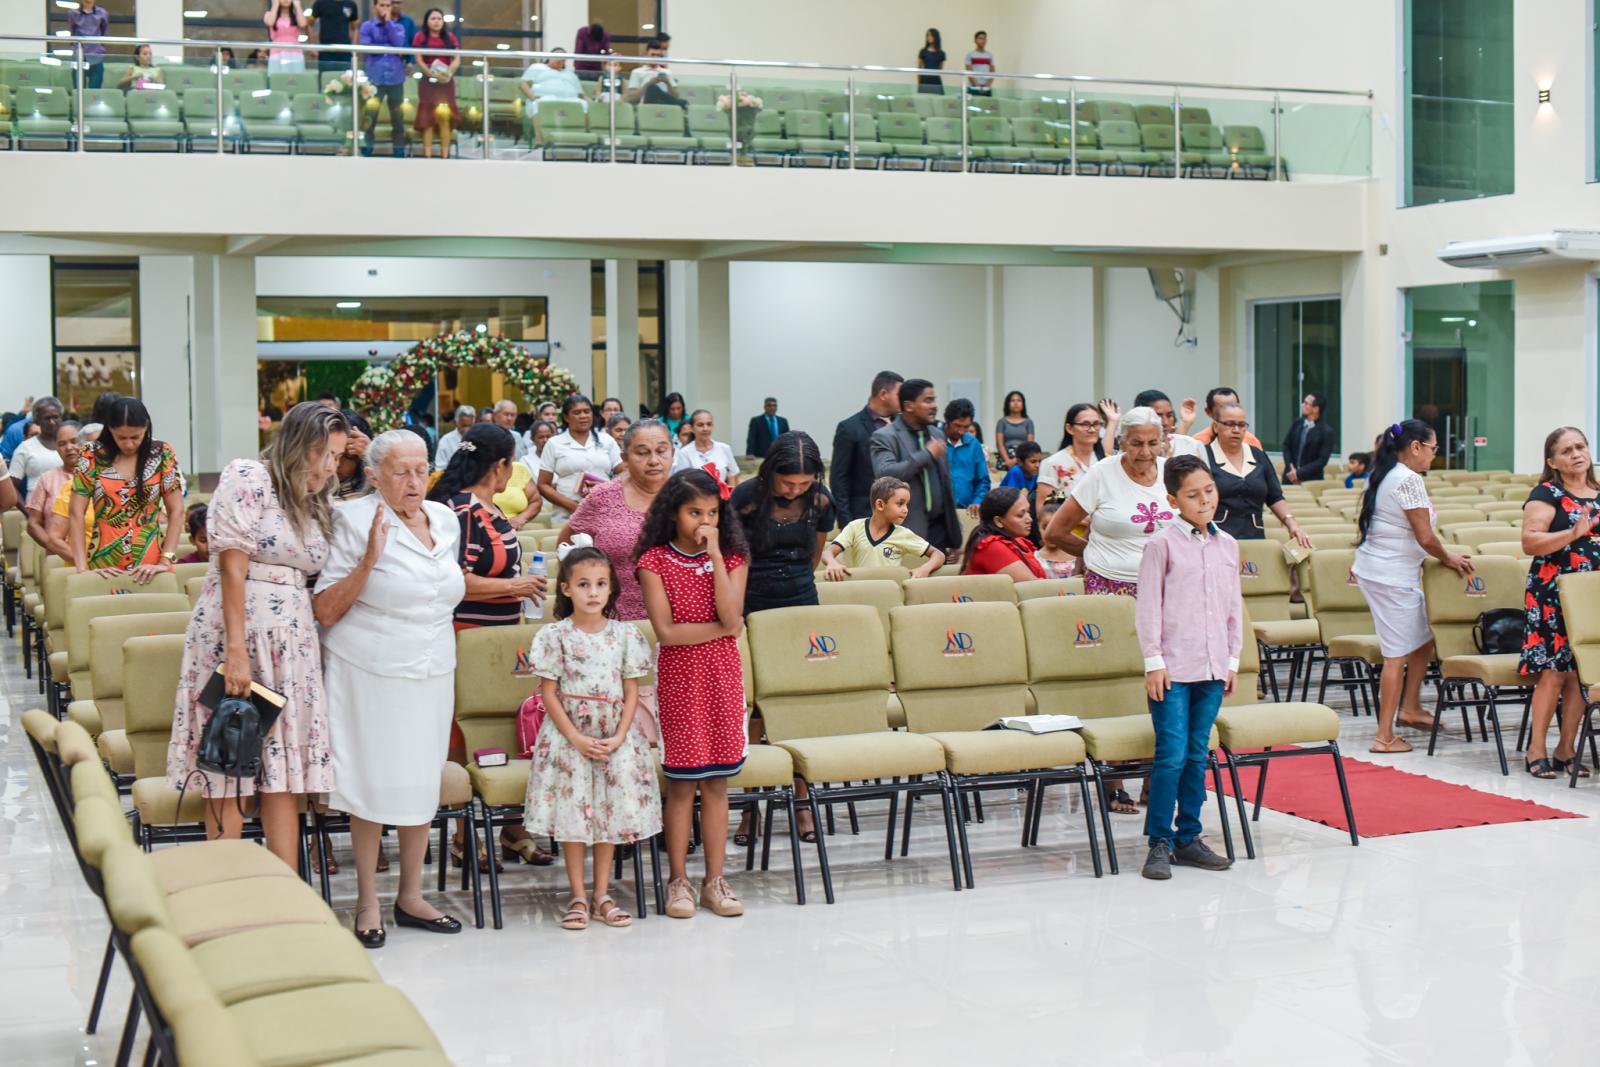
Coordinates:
(170, 557)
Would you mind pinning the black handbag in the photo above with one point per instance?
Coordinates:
(1500, 632)
(230, 743)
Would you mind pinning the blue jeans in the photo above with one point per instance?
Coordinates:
(93, 75)
(1183, 733)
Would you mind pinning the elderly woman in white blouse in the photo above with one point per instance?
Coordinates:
(704, 450)
(577, 459)
(385, 601)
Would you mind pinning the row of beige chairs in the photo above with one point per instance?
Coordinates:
(234, 960)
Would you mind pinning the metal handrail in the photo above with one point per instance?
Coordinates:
(753, 64)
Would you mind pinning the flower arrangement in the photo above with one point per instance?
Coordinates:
(341, 85)
(747, 102)
(381, 394)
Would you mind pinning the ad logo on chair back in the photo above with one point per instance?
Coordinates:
(1088, 635)
(821, 646)
(961, 598)
(957, 643)
(1476, 587)
(121, 592)
(1248, 569)
(523, 667)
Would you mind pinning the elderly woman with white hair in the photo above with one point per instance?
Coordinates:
(386, 600)
(268, 525)
(1123, 503)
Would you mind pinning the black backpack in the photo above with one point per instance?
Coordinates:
(1500, 632)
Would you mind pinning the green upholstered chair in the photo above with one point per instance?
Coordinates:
(268, 120)
(155, 119)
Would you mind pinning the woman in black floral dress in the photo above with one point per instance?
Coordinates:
(1558, 524)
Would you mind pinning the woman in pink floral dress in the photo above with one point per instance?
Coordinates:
(268, 526)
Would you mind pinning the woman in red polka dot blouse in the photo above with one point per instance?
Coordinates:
(692, 571)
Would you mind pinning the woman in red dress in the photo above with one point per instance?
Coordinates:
(692, 570)
(436, 96)
(999, 543)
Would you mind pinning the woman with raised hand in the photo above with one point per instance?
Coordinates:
(1396, 535)
(268, 525)
(1558, 531)
(386, 600)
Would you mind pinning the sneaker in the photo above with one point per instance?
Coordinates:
(717, 895)
(1198, 854)
(680, 899)
(1158, 864)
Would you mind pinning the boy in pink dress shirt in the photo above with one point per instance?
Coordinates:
(1191, 628)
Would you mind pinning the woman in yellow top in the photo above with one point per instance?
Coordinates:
(514, 501)
(127, 480)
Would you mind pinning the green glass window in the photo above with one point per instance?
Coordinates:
(1459, 135)
(1459, 370)
(1296, 352)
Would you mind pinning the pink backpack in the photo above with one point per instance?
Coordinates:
(529, 718)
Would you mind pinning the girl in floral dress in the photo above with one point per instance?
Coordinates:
(692, 570)
(592, 783)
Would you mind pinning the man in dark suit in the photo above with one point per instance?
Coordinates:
(912, 448)
(765, 428)
(851, 475)
(1309, 444)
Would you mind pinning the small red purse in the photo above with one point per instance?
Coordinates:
(529, 718)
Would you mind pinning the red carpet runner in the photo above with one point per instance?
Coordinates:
(1386, 801)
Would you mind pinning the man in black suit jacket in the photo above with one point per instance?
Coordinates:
(851, 475)
(1309, 444)
(765, 428)
(913, 449)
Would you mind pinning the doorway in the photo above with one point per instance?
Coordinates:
(1296, 349)
(1459, 373)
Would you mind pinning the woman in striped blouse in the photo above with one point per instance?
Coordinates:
(491, 559)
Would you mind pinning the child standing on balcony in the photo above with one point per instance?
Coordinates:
(1191, 629)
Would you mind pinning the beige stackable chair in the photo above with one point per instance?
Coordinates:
(1580, 610)
(1468, 678)
(1344, 624)
(99, 710)
(822, 678)
(1264, 583)
(960, 589)
(1049, 587)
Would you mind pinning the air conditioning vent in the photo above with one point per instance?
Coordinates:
(1515, 253)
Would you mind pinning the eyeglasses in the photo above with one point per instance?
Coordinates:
(1234, 425)
(1096, 425)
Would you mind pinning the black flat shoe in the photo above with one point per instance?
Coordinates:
(444, 924)
(372, 938)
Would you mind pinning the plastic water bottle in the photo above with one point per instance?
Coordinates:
(533, 606)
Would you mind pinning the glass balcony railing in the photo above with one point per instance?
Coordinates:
(58, 94)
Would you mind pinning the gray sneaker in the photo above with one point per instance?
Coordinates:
(1158, 864)
(1198, 854)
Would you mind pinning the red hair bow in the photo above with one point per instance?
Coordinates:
(716, 475)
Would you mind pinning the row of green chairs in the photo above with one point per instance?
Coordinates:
(161, 118)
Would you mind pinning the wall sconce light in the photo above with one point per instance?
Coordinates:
(1544, 96)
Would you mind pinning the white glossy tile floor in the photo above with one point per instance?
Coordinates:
(1473, 946)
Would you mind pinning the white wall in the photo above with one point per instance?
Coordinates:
(564, 282)
(26, 355)
(166, 291)
(1139, 334)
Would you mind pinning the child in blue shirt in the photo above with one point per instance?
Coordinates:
(1025, 476)
(1355, 465)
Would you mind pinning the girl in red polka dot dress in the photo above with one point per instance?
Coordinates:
(692, 571)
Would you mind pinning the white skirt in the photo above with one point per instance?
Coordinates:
(1399, 614)
(389, 738)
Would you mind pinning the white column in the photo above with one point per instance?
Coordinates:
(622, 332)
(1554, 343)
(162, 18)
(20, 17)
(994, 346)
(223, 386)
(166, 290)
(1372, 368)
(698, 348)
(27, 357)
(560, 24)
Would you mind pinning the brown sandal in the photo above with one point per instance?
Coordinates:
(577, 916)
(318, 849)
(1394, 744)
(606, 910)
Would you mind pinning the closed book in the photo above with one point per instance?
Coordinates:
(1036, 724)
(268, 701)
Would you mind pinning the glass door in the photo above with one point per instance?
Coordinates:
(1459, 373)
(1296, 349)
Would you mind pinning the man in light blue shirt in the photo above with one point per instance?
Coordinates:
(969, 470)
